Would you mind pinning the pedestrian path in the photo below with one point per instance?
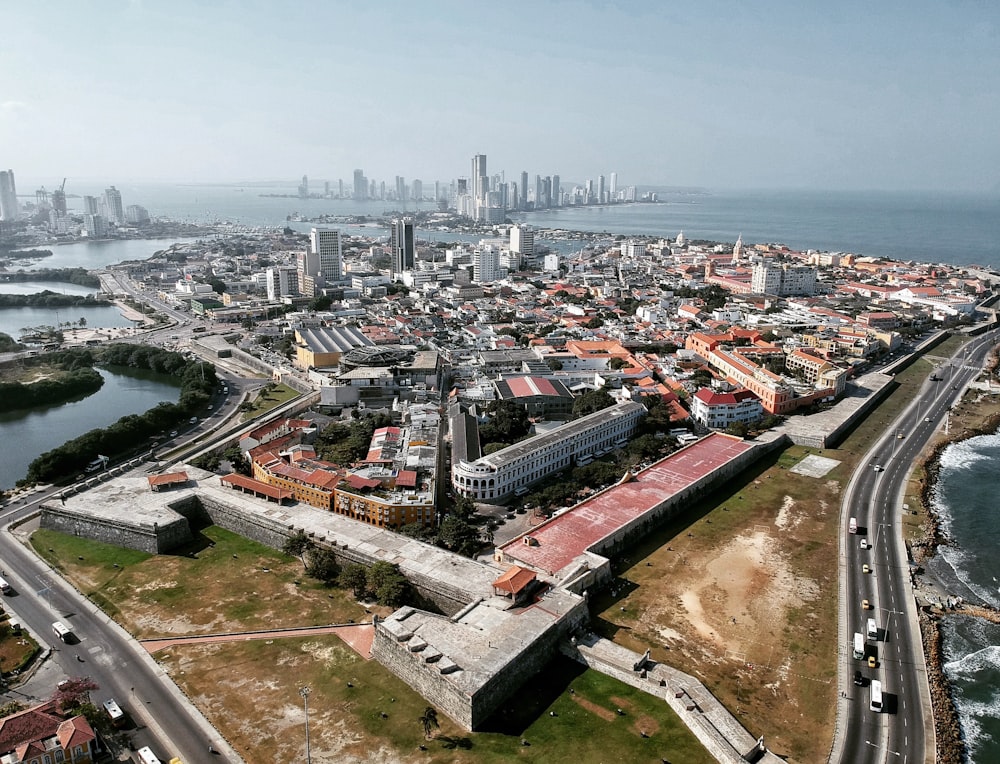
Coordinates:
(357, 636)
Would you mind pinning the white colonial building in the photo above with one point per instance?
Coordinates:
(505, 472)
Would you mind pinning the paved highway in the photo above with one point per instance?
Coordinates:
(903, 733)
(165, 720)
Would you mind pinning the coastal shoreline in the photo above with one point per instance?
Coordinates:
(928, 587)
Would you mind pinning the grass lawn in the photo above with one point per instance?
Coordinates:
(269, 399)
(219, 584)
(348, 697)
(15, 649)
(222, 582)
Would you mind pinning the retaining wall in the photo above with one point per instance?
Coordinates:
(716, 729)
(155, 539)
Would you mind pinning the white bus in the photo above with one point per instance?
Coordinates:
(859, 646)
(876, 701)
(146, 756)
(61, 630)
(114, 712)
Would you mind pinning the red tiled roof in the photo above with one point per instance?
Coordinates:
(167, 478)
(74, 732)
(249, 484)
(514, 580)
(407, 478)
(359, 482)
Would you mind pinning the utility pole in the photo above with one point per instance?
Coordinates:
(304, 692)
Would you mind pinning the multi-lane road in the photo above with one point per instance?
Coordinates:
(903, 732)
(103, 651)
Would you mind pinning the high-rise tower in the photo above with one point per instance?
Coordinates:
(360, 185)
(402, 246)
(113, 202)
(325, 243)
(480, 183)
(8, 196)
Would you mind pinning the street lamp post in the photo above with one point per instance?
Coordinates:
(304, 692)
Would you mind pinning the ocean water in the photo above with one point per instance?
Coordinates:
(961, 229)
(966, 502)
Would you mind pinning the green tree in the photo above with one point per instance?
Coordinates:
(739, 429)
(387, 583)
(322, 565)
(12, 707)
(354, 577)
(298, 545)
(592, 401)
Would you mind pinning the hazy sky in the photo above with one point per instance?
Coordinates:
(829, 95)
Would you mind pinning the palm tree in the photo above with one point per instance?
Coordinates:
(429, 720)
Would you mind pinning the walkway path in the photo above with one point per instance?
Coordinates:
(358, 637)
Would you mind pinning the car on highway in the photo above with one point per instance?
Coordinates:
(900, 436)
(927, 419)
(864, 543)
(866, 605)
(872, 663)
(865, 568)
(877, 467)
(859, 678)
(173, 433)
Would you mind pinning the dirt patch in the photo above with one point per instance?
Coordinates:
(744, 598)
(646, 726)
(594, 708)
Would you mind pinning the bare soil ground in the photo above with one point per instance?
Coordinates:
(736, 597)
(742, 589)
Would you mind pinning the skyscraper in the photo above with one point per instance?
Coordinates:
(613, 190)
(400, 188)
(8, 196)
(600, 190)
(325, 244)
(418, 190)
(360, 185)
(556, 193)
(524, 189)
(90, 205)
(480, 183)
(401, 245)
(113, 202)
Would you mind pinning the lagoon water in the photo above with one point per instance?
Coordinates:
(42, 429)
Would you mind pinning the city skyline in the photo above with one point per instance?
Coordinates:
(897, 97)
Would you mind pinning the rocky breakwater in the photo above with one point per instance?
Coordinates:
(948, 738)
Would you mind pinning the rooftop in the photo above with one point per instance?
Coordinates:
(557, 542)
